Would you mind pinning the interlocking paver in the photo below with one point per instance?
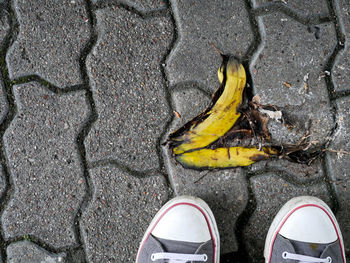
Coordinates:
(120, 212)
(200, 23)
(4, 28)
(128, 88)
(341, 70)
(28, 252)
(51, 37)
(300, 172)
(224, 190)
(2, 181)
(143, 5)
(288, 73)
(44, 165)
(338, 166)
(4, 25)
(271, 192)
(3, 101)
(310, 7)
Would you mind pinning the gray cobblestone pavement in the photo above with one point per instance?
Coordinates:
(90, 89)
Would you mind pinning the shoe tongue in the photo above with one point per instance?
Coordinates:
(174, 246)
(308, 249)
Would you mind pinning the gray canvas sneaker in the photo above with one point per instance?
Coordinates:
(184, 230)
(304, 230)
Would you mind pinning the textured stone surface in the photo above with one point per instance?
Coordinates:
(338, 166)
(28, 252)
(4, 25)
(3, 101)
(128, 88)
(143, 5)
(120, 212)
(224, 190)
(288, 73)
(341, 70)
(4, 28)
(2, 181)
(271, 193)
(199, 23)
(297, 171)
(310, 7)
(52, 35)
(44, 164)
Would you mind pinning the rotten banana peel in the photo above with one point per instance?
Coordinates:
(192, 143)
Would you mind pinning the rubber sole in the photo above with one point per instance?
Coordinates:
(201, 206)
(291, 206)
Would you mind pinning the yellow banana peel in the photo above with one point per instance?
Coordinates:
(224, 157)
(222, 116)
(189, 142)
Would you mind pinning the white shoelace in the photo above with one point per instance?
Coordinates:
(178, 258)
(305, 259)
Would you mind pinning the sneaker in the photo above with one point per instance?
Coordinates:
(184, 230)
(304, 230)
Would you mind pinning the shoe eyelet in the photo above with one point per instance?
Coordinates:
(284, 255)
(205, 257)
(153, 258)
(329, 260)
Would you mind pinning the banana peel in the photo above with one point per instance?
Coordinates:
(221, 116)
(224, 157)
(195, 145)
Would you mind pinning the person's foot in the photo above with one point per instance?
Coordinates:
(184, 230)
(304, 230)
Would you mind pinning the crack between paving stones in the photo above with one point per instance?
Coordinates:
(46, 84)
(288, 177)
(156, 12)
(328, 178)
(254, 49)
(167, 94)
(125, 168)
(333, 6)
(242, 221)
(332, 95)
(12, 109)
(278, 7)
(80, 254)
(165, 81)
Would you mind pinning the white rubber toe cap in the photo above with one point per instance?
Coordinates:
(183, 223)
(309, 224)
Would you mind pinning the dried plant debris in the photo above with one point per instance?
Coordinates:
(232, 132)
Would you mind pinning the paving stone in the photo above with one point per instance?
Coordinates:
(28, 252)
(288, 73)
(120, 212)
(143, 5)
(189, 101)
(338, 167)
(299, 172)
(341, 70)
(2, 181)
(128, 88)
(310, 7)
(51, 37)
(3, 101)
(199, 23)
(271, 193)
(44, 165)
(224, 190)
(4, 25)
(4, 28)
